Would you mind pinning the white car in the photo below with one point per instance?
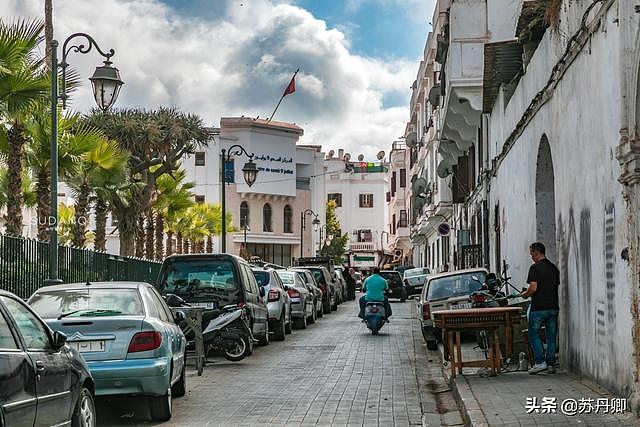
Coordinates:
(446, 291)
(414, 279)
(277, 300)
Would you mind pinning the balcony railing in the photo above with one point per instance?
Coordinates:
(362, 246)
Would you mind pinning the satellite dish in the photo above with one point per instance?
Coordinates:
(331, 153)
(346, 157)
(360, 157)
(419, 186)
(380, 155)
(412, 139)
(419, 202)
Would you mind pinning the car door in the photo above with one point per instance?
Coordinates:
(259, 308)
(18, 400)
(53, 373)
(284, 295)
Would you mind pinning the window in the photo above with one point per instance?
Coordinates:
(393, 221)
(244, 215)
(366, 200)
(7, 341)
(164, 313)
(336, 197)
(288, 214)
(393, 182)
(403, 219)
(403, 178)
(199, 198)
(200, 158)
(267, 215)
(388, 196)
(35, 334)
(364, 236)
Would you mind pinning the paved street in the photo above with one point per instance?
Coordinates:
(327, 374)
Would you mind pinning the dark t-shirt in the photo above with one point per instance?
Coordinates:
(547, 276)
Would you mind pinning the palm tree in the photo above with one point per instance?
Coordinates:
(98, 168)
(173, 195)
(29, 196)
(24, 86)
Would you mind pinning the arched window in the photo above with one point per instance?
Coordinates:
(267, 215)
(244, 215)
(288, 214)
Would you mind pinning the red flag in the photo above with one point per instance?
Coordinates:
(291, 88)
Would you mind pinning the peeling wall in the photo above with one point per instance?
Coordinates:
(582, 123)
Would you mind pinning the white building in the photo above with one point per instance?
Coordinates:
(290, 180)
(539, 136)
(360, 194)
(398, 204)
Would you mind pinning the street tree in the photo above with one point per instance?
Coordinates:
(338, 244)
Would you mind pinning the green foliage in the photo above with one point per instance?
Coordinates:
(338, 245)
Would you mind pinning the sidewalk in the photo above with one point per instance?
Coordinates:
(520, 399)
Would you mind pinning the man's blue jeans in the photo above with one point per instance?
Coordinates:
(363, 306)
(548, 318)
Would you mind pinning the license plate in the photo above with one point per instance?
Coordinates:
(88, 346)
(208, 305)
(461, 306)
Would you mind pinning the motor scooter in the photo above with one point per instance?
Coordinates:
(374, 316)
(226, 330)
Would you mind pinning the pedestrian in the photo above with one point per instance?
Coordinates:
(543, 280)
(351, 282)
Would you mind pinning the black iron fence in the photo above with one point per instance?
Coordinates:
(24, 266)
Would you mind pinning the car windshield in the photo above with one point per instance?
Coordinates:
(199, 277)
(391, 276)
(415, 272)
(455, 285)
(287, 278)
(87, 302)
(262, 277)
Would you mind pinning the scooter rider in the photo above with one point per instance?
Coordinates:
(374, 288)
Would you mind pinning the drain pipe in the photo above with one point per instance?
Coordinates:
(484, 120)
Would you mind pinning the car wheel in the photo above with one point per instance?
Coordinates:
(239, 351)
(280, 329)
(320, 313)
(312, 318)
(84, 415)
(264, 340)
(160, 407)
(301, 323)
(179, 389)
(334, 307)
(287, 326)
(326, 307)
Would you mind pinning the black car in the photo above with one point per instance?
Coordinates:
(397, 288)
(212, 281)
(43, 381)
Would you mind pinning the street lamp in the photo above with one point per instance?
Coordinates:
(382, 233)
(106, 84)
(250, 172)
(315, 222)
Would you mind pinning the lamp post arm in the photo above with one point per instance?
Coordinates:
(237, 150)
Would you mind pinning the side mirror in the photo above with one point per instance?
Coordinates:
(59, 340)
(179, 316)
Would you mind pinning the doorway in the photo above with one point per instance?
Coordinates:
(546, 200)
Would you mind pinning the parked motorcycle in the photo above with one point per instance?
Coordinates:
(225, 330)
(374, 316)
(490, 295)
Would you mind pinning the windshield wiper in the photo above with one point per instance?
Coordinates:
(89, 312)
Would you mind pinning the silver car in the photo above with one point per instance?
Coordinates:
(313, 286)
(278, 302)
(414, 280)
(302, 299)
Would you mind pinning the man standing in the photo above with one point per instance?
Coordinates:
(374, 288)
(351, 282)
(543, 280)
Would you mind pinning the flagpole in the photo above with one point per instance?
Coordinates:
(282, 97)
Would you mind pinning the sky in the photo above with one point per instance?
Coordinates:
(220, 58)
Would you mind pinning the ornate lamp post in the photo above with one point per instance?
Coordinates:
(106, 84)
(250, 172)
(315, 222)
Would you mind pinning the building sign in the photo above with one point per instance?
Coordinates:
(363, 259)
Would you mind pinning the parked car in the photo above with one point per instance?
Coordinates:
(341, 286)
(357, 276)
(446, 291)
(323, 277)
(126, 333)
(402, 268)
(414, 280)
(43, 381)
(278, 302)
(313, 286)
(345, 285)
(302, 299)
(397, 287)
(213, 281)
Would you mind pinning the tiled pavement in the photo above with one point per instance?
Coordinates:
(502, 400)
(333, 373)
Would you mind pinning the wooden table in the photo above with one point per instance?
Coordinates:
(452, 322)
(193, 322)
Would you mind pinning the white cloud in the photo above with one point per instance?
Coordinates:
(239, 64)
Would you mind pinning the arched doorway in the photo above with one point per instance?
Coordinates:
(546, 200)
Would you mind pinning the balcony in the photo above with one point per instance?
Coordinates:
(362, 247)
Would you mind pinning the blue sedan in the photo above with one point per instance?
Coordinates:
(127, 335)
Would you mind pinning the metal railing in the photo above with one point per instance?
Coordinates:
(24, 266)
